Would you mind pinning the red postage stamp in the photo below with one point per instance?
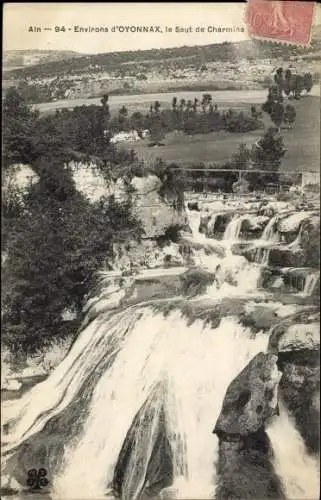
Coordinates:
(280, 20)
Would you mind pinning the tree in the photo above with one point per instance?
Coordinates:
(123, 112)
(307, 81)
(287, 85)
(298, 86)
(242, 158)
(54, 251)
(278, 78)
(182, 103)
(277, 114)
(18, 127)
(206, 100)
(289, 115)
(268, 151)
(104, 100)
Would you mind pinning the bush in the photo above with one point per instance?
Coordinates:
(54, 249)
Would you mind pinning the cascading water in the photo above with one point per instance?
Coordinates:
(269, 236)
(233, 229)
(134, 371)
(133, 352)
(310, 283)
(298, 471)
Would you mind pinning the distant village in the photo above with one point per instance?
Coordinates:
(148, 78)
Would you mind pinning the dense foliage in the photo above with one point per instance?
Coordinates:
(53, 239)
(189, 116)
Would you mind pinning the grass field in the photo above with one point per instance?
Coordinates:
(302, 142)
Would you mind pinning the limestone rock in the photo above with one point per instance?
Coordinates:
(298, 332)
(293, 222)
(250, 398)
(157, 213)
(254, 223)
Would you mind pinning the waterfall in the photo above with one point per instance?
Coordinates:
(270, 235)
(310, 283)
(134, 374)
(270, 232)
(132, 353)
(297, 470)
(233, 228)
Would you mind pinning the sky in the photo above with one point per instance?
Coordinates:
(19, 17)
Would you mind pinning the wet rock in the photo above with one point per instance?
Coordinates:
(300, 391)
(245, 470)
(147, 287)
(296, 332)
(195, 281)
(296, 340)
(292, 223)
(203, 223)
(193, 206)
(140, 470)
(252, 227)
(221, 223)
(250, 398)
(286, 257)
(300, 337)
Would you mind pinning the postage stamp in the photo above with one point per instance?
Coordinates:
(280, 20)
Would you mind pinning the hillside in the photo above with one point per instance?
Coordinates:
(19, 59)
(246, 65)
(74, 63)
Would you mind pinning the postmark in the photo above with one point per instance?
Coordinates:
(280, 20)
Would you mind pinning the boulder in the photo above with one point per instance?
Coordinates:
(250, 398)
(204, 223)
(296, 332)
(254, 224)
(141, 469)
(296, 340)
(286, 257)
(245, 470)
(292, 223)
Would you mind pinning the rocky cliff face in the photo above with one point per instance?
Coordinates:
(159, 211)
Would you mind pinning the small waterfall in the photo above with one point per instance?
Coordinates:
(298, 471)
(270, 232)
(233, 229)
(310, 283)
(269, 235)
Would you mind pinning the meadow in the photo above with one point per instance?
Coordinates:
(302, 142)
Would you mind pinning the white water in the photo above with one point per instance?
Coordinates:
(179, 368)
(152, 351)
(298, 471)
(310, 283)
(159, 350)
(233, 229)
(269, 236)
